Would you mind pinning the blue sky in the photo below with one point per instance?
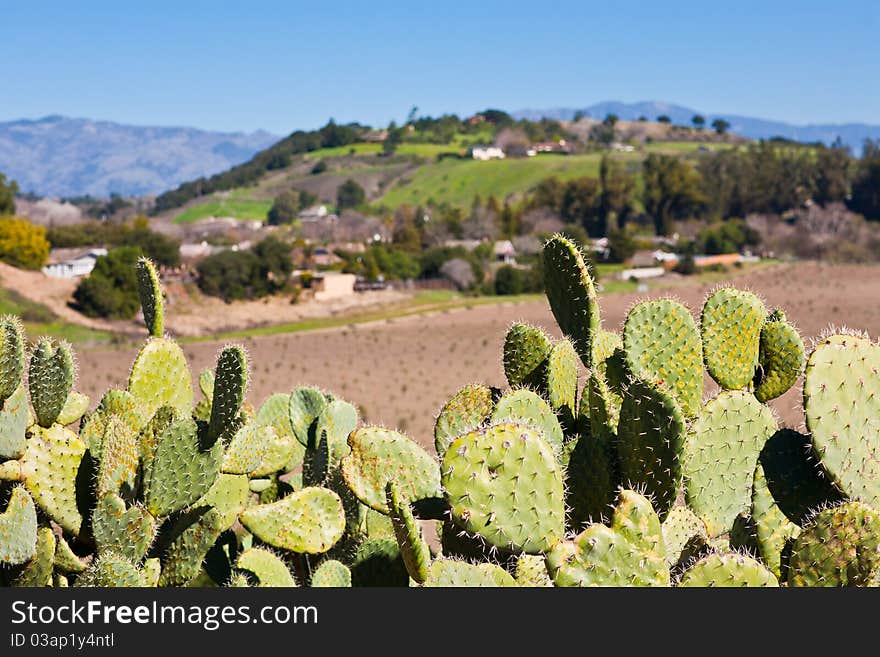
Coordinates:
(286, 65)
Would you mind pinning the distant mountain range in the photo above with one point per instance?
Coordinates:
(851, 134)
(60, 156)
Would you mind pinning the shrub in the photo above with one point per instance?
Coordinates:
(111, 289)
(231, 275)
(350, 195)
(22, 244)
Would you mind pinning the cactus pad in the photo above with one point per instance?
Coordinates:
(467, 410)
(840, 546)
(189, 539)
(526, 350)
(114, 403)
(413, 548)
(650, 434)
(531, 571)
(275, 412)
(842, 405)
(662, 345)
(331, 574)
(731, 569)
(160, 377)
(74, 409)
(14, 420)
(773, 530)
(377, 562)
(49, 469)
(181, 470)
(306, 405)
(111, 570)
(38, 571)
(248, 448)
(680, 528)
(572, 295)
(780, 356)
(562, 381)
(50, 379)
(334, 424)
(150, 293)
(11, 356)
(630, 552)
(720, 455)
(126, 532)
(120, 455)
(526, 407)
(380, 455)
(66, 560)
(451, 573)
(18, 529)
(266, 567)
(503, 483)
(230, 387)
(731, 330)
(308, 521)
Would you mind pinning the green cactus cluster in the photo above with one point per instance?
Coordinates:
(604, 463)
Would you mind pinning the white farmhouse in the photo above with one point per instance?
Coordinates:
(487, 153)
(80, 265)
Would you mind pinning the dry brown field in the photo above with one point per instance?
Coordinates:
(400, 371)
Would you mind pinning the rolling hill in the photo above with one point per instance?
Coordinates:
(851, 134)
(60, 156)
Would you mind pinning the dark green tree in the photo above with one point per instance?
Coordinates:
(8, 190)
(350, 195)
(866, 185)
(832, 174)
(699, 121)
(721, 126)
(285, 208)
(111, 289)
(663, 118)
(671, 191)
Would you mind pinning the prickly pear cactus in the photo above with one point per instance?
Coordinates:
(526, 407)
(662, 345)
(11, 356)
(842, 407)
(572, 295)
(780, 357)
(468, 409)
(731, 330)
(268, 569)
(561, 384)
(18, 529)
(727, 570)
(631, 552)
(720, 454)
(503, 483)
(650, 435)
(840, 546)
(451, 573)
(309, 521)
(230, 387)
(380, 455)
(331, 574)
(413, 548)
(150, 292)
(773, 531)
(526, 350)
(681, 527)
(128, 532)
(50, 379)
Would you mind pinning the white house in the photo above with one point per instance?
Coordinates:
(81, 265)
(504, 252)
(487, 153)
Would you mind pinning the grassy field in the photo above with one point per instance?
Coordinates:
(236, 205)
(39, 321)
(457, 181)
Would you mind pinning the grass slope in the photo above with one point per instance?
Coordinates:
(39, 321)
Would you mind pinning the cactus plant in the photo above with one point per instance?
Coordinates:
(727, 570)
(780, 357)
(731, 325)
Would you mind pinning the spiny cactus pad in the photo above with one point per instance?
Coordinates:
(334, 424)
(247, 449)
(731, 325)
(230, 387)
(561, 384)
(66, 560)
(773, 530)
(49, 469)
(306, 405)
(679, 528)
(38, 570)
(451, 573)
(572, 295)
(380, 455)
(18, 529)
(74, 409)
(331, 574)
(630, 552)
(181, 470)
(120, 456)
(14, 419)
(503, 483)
(50, 379)
(526, 407)
(842, 405)
(377, 562)
(526, 349)
(413, 548)
(467, 410)
(650, 434)
(111, 570)
(190, 537)
(127, 532)
(308, 521)
(160, 377)
(728, 570)
(840, 546)
(662, 345)
(531, 571)
(11, 356)
(266, 567)
(720, 454)
(114, 403)
(150, 293)
(275, 412)
(780, 356)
